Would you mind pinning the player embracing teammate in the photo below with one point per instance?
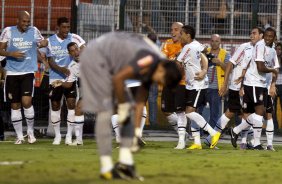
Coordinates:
(259, 89)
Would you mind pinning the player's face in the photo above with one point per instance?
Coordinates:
(64, 29)
(184, 38)
(175, 32)
(215, 42)
(74, 52)
(159, 75)
(24, 23)
(278, 51)
(269, 37)
(255, 36)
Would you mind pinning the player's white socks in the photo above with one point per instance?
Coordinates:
(201, 122)
(195, 129)
(257, 126)
(221, 123)
(125, 156)
(245, 124)
(116, 127)
(29, 117)
(244, 135)
(250, 136)
(16, 118)
(269, 131)
(56, 121)
(172, 120)
(79, 121)
(106, 163)
(70, 124)
(181, 124)
(143, 120)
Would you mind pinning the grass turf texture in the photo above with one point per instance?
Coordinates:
(159, 163)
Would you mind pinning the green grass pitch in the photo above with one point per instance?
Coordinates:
(159, 163)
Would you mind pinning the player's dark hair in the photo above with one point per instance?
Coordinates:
(260, 29)
(271, 29)
(62, 20)
(153, 37)
(189, 30)
(278, 44)
(70, 45)
(173, 73)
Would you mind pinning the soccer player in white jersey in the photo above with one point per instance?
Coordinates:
(255, 87)
(73, 67)
(58, 58)
(240, 59)
(19, 44)
(195, 64)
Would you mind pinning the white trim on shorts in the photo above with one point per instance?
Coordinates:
(5, 99)
(197, 98)
(254, 94)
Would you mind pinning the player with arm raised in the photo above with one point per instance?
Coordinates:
(19, 44)
(105, 65)
(255, 88)
(240, 59)
(195, 64)
(59, 61)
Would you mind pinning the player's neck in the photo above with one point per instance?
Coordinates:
(20, 30)
(215, 50)
(60, 36)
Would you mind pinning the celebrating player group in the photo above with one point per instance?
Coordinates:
(111, 77)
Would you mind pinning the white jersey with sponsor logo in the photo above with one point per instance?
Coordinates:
(190, 56)
(74, 71)
(273, 64)
(261, 53)
(241, 58)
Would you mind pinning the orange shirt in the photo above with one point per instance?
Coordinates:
(171, 50)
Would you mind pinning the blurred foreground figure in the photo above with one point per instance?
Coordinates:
(105, 65)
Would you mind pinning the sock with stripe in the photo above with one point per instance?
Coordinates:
(244, 125)
(78, 127)
(257, 126)
(143, 120)
(16, 118)
(56, 122)
(181, 124)
(195, 130)
(70, 124)
(172, 120)
(269, 131)
(116, 127)
(29, 117)
(221, 123)
(200, 121)
(250, 136)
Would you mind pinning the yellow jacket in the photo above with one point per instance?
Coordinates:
(219, 71)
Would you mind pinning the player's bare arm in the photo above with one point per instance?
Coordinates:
(56, 67)
(141, 98)
(264, 69)
(228, 70)
(272, 89)
(204, 63)
(15, 54)
(43, 43)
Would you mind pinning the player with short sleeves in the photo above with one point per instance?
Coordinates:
(59, 61)
(195, 65)
(19, 44)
